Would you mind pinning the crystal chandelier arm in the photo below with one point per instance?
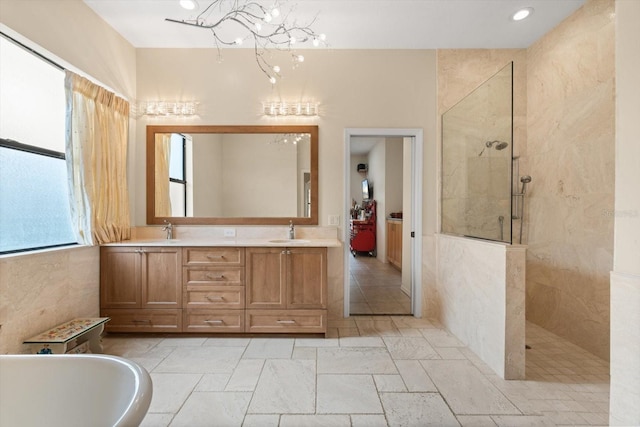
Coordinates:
(256, 23)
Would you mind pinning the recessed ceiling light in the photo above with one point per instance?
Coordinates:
(188, 4)
(522, 14)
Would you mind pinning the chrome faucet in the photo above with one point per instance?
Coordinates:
(292, 231)
(169, 229)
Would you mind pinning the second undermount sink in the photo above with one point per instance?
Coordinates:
(290, 241)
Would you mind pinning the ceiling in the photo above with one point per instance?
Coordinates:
(357, 24)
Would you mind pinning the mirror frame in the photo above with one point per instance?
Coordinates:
(152, 130)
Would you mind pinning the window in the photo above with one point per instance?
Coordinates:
(34, 196)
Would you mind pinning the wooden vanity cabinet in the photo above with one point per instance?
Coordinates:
(213, 289)
(141, 288)
(286, 290)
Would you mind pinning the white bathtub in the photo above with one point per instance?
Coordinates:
(72, 390)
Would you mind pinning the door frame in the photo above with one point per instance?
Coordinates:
(417, 147)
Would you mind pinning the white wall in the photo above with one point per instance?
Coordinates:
(625, 278)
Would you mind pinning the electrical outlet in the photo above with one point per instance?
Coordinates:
(334, 220)
(229, 232)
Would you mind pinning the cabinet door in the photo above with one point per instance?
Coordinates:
(120, 277)
(161, 277)
(306, 278)
(266, 278)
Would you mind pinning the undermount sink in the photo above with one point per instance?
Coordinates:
(292, 241)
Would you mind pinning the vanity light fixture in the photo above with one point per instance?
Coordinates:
(522, 14)
(234, 22)
(283, 108)
(168, 108)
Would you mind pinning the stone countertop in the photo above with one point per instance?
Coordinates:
(241, 242)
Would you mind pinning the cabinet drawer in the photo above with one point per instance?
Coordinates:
(213, 276)
(143, 320)
(231, 297)
(289, 321)
(202, 320)
(213, 256)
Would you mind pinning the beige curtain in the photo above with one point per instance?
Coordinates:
(96, 149)
(163, 157)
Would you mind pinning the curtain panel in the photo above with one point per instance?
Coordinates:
(97, 124)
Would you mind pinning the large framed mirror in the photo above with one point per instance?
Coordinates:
(232, 175)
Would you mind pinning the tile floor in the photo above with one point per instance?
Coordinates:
(371, 371)
(375, 288)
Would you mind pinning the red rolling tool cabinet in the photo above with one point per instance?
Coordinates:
(363, 231)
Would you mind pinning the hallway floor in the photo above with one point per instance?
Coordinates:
(375, 288)
(372, 371)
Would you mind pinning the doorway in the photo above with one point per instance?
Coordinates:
(383, 199)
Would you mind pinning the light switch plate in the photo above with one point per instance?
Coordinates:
(229, 232)
(334, 220)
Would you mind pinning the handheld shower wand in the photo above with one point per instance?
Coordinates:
(525, 179)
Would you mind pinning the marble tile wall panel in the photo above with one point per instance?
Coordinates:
(570, 156)
(625, 350)
(474, 284)
(41, 290)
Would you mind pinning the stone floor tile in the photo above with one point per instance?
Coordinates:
(410, 348)
(213, 382)
(348, 332)
(522, 421)
(347, 360)
(285, 387)
(451, 353)
(182, 342)
(227, 342)
(269, 348)
(347, 394)
(204, 360)
(156, 420)
(417, 410)
(170, 391)
(245, 376)
(414, 376)
(368, 421)
(361, 342)
(304, 353)
(316, 342)
(440, 338)
(213, 408)
(466, 390)
(315, 421)
(255, 420)
(476, 421)
(389, 383)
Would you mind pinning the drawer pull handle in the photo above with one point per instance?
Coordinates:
(286, 322)
(141, 321)
(212, 277)
(214, 298)
(215, 256)
(214, 321)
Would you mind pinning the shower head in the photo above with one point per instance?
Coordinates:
(498, 145)
(525, 179)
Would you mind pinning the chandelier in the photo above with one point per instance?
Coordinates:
(266, 27)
